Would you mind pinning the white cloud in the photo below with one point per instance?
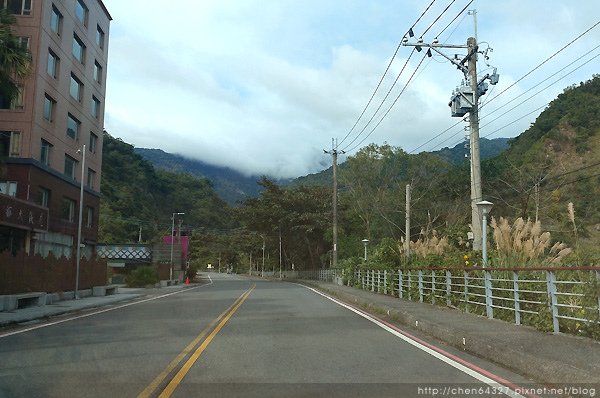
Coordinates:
(263, 86)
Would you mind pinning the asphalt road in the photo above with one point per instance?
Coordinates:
(238, 337)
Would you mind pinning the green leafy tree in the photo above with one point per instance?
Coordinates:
(15, 60)
(301, 215)
(147, 198)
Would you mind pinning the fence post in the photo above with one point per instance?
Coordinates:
(488, 294)
(551, 279)
(378, 281)
(373, 280)
(399, 283)
(448, 287)
(384, 281)
(408, 279)
(432, 287)
(598, 280)
(516, 296)
(420, 286)
(466, 290)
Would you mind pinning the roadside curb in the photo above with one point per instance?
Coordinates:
(518, 356)
(64, 307)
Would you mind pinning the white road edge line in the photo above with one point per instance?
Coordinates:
(29, 329)
(494, 384)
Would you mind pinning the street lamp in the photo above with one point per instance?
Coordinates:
(173, 241)
(484, 207)
(365, 242)
(78, 251)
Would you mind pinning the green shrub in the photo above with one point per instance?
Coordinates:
(142, 276)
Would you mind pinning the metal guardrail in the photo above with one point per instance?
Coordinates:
(522, 295)
(325, 275)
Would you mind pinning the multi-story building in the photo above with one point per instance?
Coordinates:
(43, 133)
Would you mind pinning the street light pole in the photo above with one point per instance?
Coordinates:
(78, 251)
(365, 242)
(173, 242)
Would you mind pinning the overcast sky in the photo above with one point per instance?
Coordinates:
(262, 86)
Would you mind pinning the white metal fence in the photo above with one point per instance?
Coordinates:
(326, 275)
(557, 299)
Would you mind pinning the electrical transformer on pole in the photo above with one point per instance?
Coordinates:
(465, 99)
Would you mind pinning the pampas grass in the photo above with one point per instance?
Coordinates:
(571, 211)
(426, 245)
(523, 242)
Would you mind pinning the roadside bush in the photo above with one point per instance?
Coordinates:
(142, 277)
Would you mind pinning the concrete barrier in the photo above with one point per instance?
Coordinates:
(52, 298)
(169, 282)
(101, 291)
(24, 300)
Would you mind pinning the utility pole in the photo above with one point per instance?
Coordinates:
(465, 99)
(407, 227)
(476, 194)
(334, 154)
(262, 272)
(537, 201)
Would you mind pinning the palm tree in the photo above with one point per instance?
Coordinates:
(15, 59)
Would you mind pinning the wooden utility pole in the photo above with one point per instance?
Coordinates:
(407, 227)
(334, 154)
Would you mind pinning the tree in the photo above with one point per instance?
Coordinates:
(300, 215)
(15, 60)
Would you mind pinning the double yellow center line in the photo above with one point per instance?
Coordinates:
(176, 380)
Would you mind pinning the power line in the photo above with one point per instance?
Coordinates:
(412, 76)
(518, 96)
(546, 60)
(382, 102)
(591, 59)
(546, 79)
(522, 102)
(390, 108)
(516, 120)
(438, 18)
(410, 33)
(454, 19)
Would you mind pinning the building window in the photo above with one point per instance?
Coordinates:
(16, 103)
(76, 88)
(95, 105)
(99, 37)
(8, 188)
(68, 210)
(10, 143)
(78, 49)
(97, 72)
(45, 152)
(17, 7)
(53, 63)
(89, 216)
(81, 12)
(70, 166)
(56, 20)
(73, 126)
(93, 142)
(49, 108)
(43, 198)
(24, 42)
(91, 177)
